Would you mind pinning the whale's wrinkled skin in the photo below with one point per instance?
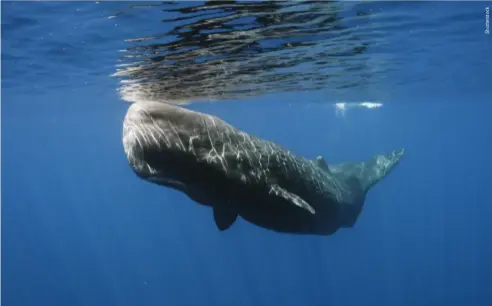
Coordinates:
(237, 174)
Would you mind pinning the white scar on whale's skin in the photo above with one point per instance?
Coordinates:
(236, 173)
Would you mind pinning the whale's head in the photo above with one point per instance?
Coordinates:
(159, 141)
(175, 147)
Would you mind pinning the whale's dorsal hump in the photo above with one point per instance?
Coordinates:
(321, 162)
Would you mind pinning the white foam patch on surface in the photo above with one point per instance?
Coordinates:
(342, 107)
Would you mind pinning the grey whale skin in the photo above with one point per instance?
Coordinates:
(218, 165)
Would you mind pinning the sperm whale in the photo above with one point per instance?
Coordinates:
(237, 174)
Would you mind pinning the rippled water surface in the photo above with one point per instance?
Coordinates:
(181, 51)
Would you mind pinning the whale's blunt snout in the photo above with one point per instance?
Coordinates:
(156, 134)
(133, 139)
(146, 130)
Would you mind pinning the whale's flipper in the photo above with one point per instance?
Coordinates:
(371, 171)
(291, 197)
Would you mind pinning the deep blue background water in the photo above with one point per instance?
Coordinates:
(78, 227)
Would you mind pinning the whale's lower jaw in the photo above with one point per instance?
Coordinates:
(167, 182)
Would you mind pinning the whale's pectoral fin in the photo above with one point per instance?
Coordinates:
(224, 218)
(291, 197)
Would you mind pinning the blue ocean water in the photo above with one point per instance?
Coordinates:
(79, 228)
